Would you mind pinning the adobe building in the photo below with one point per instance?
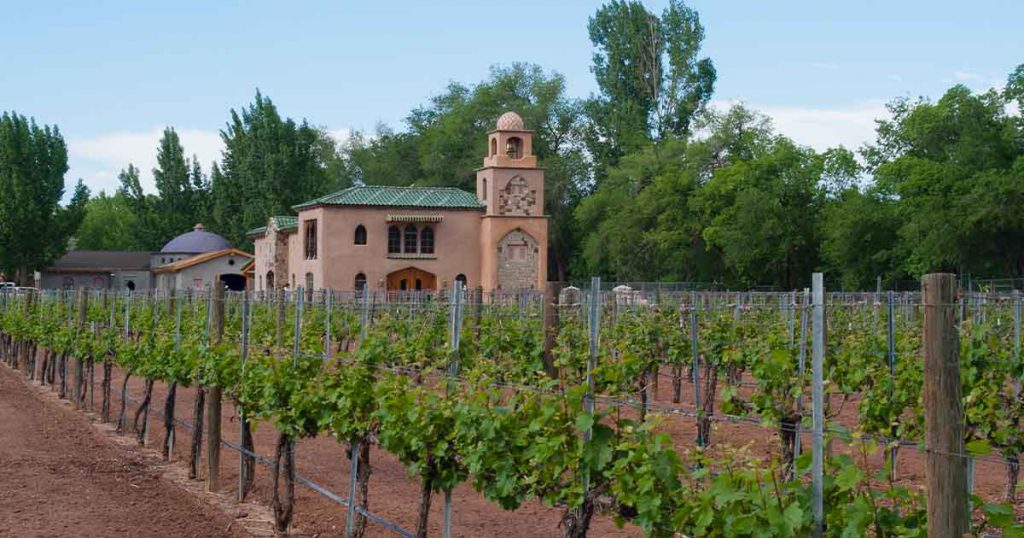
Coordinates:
(418, 238)
(194, 259)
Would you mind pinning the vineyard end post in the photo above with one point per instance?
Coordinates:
(83, 305)
(551, 294)
(243, 421)
(213, 396)
(945, 472)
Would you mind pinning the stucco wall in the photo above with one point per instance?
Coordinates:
(203, 274)
(100, 280)
(298, 265)
(456, 247)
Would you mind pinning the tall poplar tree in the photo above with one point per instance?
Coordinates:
(34, 227)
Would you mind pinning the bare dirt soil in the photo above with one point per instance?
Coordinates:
(61, 477)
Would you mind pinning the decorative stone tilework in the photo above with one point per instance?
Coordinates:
(518, 257)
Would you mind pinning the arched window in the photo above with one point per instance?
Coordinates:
(394, 240)
(360, 282)
(270, 280)
(360, 235)
(410, 239)
(309, 281)
(461, 278)
(485, 189)
(514, 148)
(427, 240)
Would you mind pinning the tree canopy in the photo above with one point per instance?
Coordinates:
(34, 227)
(644, 181)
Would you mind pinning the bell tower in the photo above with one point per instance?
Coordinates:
(515, 229)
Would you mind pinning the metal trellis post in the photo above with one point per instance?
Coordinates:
(818, 415)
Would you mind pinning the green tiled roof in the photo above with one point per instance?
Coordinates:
(286, 222)
(376, 195)
(283, 223)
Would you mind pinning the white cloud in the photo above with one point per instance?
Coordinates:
(979, 81)
(341, 135)
(99, 159)
(896, 78)
(968, 76)
(821, 128)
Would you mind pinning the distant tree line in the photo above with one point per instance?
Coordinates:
(644, 181)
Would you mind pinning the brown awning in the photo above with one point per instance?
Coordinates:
(415, 218)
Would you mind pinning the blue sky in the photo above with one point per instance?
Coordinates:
(113, 74)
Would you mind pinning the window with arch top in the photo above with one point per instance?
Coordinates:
(360, 235)
(427, 240)
(394, 240)
(494, 147)
(410, 239)
(360, 282)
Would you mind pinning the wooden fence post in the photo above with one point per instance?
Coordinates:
(83, 304)
(213, 395)
(945, 472)
(551, 323)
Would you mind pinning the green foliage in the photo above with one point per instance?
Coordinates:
(270, 164)
(956, 167)
(109, 224)
(516, 436)
(651, 80)
(34, 227)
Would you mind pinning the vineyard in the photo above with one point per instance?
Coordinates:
(676, 413)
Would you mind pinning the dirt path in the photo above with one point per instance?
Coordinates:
(59, 477)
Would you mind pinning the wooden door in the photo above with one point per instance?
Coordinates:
(412, 279)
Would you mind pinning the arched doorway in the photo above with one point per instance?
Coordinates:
(411, 279)
(234, 282)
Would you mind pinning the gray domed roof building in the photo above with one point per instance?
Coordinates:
(198, 241)
(194, 260)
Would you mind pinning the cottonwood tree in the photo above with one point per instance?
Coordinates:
(652, 81)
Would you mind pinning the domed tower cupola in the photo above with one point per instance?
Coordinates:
(514, 228)
(510, 144)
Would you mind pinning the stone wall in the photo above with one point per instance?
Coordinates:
(517, 199)
(276, 254)
(518, 260)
